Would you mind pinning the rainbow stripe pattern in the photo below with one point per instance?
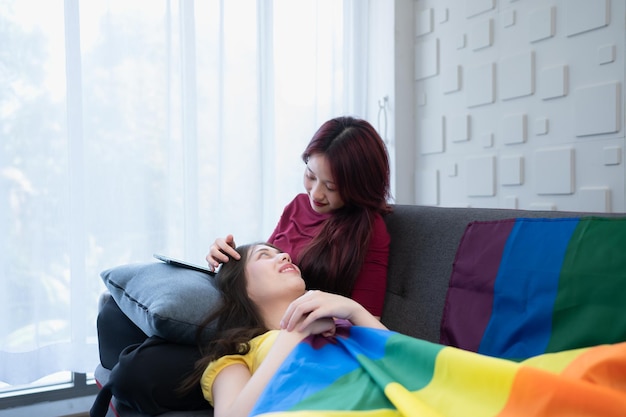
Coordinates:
(374, 373)
(524, 287)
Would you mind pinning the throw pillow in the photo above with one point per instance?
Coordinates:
(164, 300)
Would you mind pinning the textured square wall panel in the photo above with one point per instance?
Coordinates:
(585, 15)
(458, 128)
(612, 155)
(475, 7)
(486, 140)
(517, 75)
(431, 132)
(595, 199)
(606, 54)
(554, 171)
(451, 79)
(508, 18)
(423, 22)
(514, 129)
(541, 24)
(481, 34)
(427, 183)
(512, 170)
(541, 126)
(597, 109)
(481, 180)
(426, 59)
(480, 85)
(554, 82)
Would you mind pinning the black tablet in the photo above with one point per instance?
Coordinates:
(183, 264)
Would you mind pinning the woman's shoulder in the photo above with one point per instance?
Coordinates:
(299, 201)
(380, 235)
(300, 207)
(259, 346)
(379, 224)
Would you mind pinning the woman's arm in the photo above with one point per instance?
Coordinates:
(235, 390)
(315, 305)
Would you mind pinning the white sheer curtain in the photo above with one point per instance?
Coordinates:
(131, 127)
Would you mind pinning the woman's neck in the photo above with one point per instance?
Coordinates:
(273, 314)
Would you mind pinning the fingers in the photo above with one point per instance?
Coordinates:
(306, 309)
(221, 251)
(326, 327)
(294, 313)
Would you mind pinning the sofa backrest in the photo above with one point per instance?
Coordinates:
(424, 242)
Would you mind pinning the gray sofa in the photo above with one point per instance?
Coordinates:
(424, 242)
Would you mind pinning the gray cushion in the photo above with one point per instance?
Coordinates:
(163, 300)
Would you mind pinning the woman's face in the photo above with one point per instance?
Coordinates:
(271, 275)
(320, 185)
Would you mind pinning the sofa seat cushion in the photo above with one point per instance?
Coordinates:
(523, 287)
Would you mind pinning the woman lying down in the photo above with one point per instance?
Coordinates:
(283, 351)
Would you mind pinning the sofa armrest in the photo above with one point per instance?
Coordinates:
(104, 297)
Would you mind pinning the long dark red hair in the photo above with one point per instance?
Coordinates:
(359, 164)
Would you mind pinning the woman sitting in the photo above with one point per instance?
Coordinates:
(280, 349)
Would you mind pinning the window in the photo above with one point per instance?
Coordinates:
(131, 127)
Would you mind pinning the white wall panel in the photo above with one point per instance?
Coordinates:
(481, 176)
(517, 75)
(458, 128)
(508, 18)
(554, 171)
(543, 206)
(606, 54)
(423, 22)
(427, 183)
(480, 85)
(585, 15)
(442, 14)
(451, 79)
(512, 170)
(597, 109)
(510, 202)
(475, 7)
(612, 155)
(514, 129)
(431, 133)
(426, 59)
(541, 126)
(541, 24)
(555, 82)
(522, 104)
(481, 34)
(596, 199)
(486, 139)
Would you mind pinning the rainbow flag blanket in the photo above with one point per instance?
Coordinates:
(523, 287)
(365, 372)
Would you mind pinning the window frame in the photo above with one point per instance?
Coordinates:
(80, 386)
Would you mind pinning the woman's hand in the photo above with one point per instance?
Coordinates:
(221, 250)
(315, 305)
(325, 326)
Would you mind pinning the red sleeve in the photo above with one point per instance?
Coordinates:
(371, 284)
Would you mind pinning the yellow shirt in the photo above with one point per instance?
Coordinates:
(259, 347)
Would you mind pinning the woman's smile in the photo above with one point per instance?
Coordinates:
(289, 268)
